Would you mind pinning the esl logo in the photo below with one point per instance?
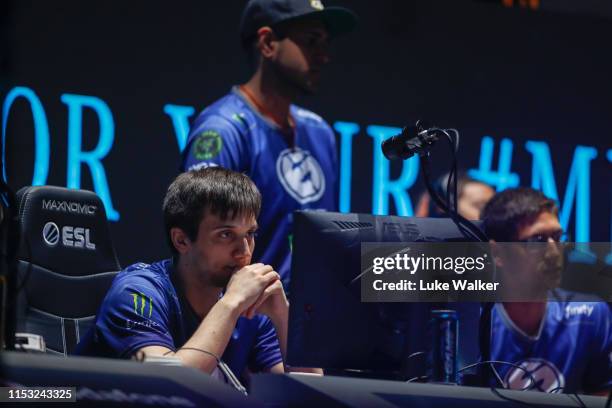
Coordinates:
(51, 234)
(76, 237)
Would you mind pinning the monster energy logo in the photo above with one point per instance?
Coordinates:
(140, 303)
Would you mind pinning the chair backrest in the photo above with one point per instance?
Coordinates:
(65, 263)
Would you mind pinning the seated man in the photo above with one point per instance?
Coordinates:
(565, 346)
(179, 307)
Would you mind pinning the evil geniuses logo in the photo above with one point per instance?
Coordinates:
(208, 145)
(74, 237)
(546, 375)
(301, 175)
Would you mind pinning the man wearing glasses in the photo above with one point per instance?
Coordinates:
(561, 345)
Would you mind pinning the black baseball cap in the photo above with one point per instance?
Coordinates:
(261, 13)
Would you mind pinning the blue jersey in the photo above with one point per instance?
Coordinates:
(571, 353)
(143, 308)
(231, 133)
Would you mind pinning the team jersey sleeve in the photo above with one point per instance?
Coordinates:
(599, 370)
(266, 350)
(215, 141)
(134, 314)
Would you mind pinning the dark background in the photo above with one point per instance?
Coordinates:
(473, 65)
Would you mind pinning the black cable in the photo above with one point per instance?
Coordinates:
(416, 353)
(489, 362)
(531, 378)
(582, 404)
(485, 318)
(484, 339)
(467, 228)
(213, 355)
(418, 378)
(224, 368)
(453, 195)
(451, 182)
(407, 365)
(452, 206)
(422, 143)
(474, 232)
(455, 150)
(577, 396)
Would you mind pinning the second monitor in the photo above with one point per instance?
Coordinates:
(330, 327)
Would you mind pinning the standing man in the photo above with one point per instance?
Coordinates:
(289, 152)
(561, 345)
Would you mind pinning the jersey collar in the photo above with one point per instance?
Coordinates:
(517, 330)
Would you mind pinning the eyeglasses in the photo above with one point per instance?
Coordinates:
(557, 236)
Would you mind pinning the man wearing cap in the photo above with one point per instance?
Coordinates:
(289, 152)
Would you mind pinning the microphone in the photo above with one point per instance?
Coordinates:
(412, 140)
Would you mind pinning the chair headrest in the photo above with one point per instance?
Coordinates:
(64, 231)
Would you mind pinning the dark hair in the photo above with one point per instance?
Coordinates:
(512, 209)
(215, 190)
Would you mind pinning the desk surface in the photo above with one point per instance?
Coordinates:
(299, 390)
(108, 383)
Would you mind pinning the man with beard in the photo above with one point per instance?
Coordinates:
(289, 152)
(562, 344)
(178, 307)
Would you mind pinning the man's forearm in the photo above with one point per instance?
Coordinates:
(212, 336)
(281, 325)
